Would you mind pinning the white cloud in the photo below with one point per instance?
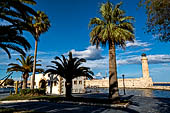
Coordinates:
(145, 49)
(137, 43)
(97, 64)
(99, 74)
(39, 52)
(91, 53)
(137, 51)
(152, 59)
(159, 69)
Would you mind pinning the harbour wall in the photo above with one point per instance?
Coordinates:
(129, 83)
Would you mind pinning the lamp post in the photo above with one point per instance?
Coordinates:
(124, 85)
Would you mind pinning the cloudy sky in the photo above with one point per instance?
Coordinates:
(69, 32)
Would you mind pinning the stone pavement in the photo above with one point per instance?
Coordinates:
(138, 105)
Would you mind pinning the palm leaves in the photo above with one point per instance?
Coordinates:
(113, 28)
(16, 11)
(25, 66)
(10, 39)
(69, 69)
(16, 14)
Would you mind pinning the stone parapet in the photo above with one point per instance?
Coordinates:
(129, 83)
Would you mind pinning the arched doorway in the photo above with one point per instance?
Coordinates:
(42, 84)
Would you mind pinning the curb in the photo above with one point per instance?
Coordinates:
(97, 104)
(70, 102)
(17, 101)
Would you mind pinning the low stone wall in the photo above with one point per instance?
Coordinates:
(97, 83)
(160, 87)
(129, 83)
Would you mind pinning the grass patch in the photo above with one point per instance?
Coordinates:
(25, 97)
(12, 110)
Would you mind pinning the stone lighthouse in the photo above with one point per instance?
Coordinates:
(147, 80)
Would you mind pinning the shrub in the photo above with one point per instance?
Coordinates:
(32, 91)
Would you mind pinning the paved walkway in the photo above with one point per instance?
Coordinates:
(138, 105)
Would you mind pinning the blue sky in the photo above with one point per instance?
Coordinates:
(69, 32)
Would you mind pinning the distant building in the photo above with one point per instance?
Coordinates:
(56, 84)
(143, 82)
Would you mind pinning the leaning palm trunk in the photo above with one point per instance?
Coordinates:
(68, 86)
(34, 66)
(113, 84)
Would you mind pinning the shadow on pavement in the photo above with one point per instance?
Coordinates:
(163, 105)
(65, 107)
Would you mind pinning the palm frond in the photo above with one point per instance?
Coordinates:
(69, 68)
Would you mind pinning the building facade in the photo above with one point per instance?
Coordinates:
(56, 84)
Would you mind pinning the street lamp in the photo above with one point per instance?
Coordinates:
(124, 85)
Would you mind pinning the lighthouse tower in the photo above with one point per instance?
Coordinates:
(145, 70)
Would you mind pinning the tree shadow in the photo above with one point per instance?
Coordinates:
(163, 105)
(63, 107)
(113, 88)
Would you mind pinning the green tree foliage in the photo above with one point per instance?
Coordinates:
(158, 17)
(25, 66)
(113, 28)
(9, 82)
(69, 69)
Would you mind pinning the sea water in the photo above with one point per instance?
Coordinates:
(136, 92)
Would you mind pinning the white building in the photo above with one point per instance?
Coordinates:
(56, 85)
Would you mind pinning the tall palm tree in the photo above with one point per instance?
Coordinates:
(25, 66)
(41, 25)
(10, 39)
(69, 69)
(113, 28)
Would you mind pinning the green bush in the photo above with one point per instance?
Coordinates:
(32, 91)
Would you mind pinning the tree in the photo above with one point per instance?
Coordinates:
(158, 18)
(15, 13)
(113, 28)
(12, 40)
(40, 24)
(25, 66)
(69, 69)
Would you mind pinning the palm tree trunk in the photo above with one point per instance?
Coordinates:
(68, 86)
(24, 83)
(34, 65)
(113, 84)
(25, 77)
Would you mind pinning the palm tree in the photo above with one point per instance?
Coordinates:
(113, 28)
(16, 11)
(17, 15)
(10, 39)
(69, 69)
(25, 66)
(41, 25)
